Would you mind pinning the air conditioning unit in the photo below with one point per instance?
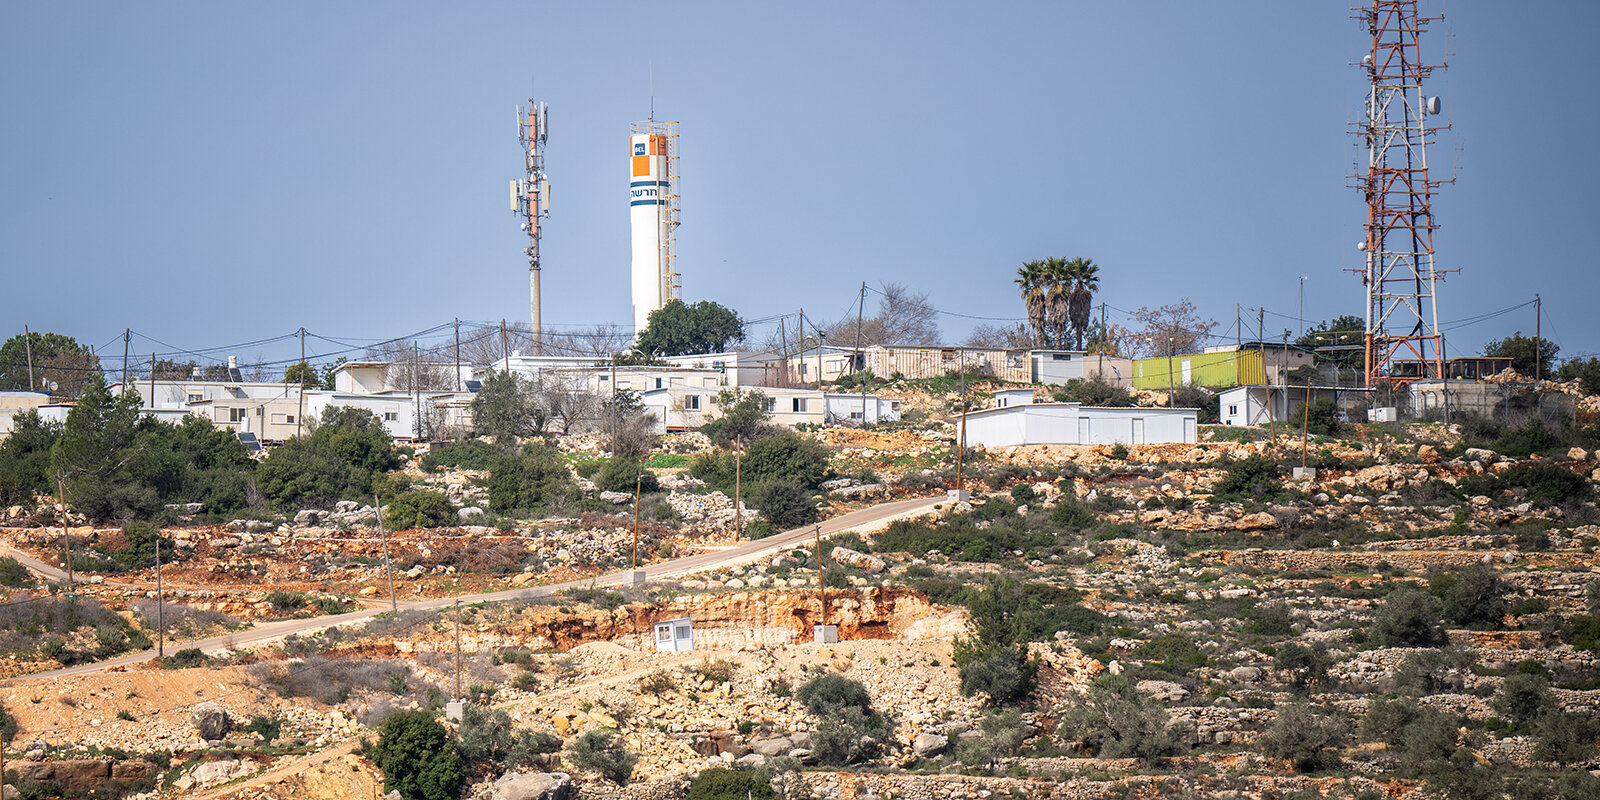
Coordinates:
(1385, 414)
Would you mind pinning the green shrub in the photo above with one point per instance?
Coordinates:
(1565, 737)
(828, 693)
(1472, 597)
(1307, 666)
(1005, 673)
(492, 743)
(1546, 483)
(1117, 721)
(1523, 698)
(721, 783)
(470, 454)
(529, 480)
(1433, 671)
(418, 758)
(1002, 735)
(419, 508)
(266, 727)
(604, 752)
(1305, 736)
(185, 658)
(1254, 477)
(13, 575)
(784, 502)
(786, 456)
(1408, 618)
(742, 417)
(621, 475)
(8, 725)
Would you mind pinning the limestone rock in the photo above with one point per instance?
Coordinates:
(211, 721)
(532, 786)
(929, 744)
(1578, 454)
(1428, 454)
(859, 560)
(1259, 521)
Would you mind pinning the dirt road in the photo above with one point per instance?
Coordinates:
(738, 555)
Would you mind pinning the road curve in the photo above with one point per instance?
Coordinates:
(741, 554)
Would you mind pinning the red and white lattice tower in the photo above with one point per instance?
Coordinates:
(1403, 342)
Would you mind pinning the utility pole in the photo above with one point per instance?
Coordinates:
(458, 649)
(1305, 425)
(300, 393)
(800, 344)
(861, 309)
(1302, 305)
(127, 341)
(416, 387)
(27, 345)
(783, 342)
(458, 353)
(961, 435)
(1238, 331)
(161, 606)
(822, 588)
(1261, 350)
(1101, 373)
(638, 492)
(152, 380)
(388, 566)
(738, 472)
(505, 350)
(66, 538)
(1169, 370)
(1538, 341)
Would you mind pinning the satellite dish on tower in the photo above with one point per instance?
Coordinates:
(1431, 105)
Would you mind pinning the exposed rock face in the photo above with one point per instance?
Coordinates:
(1259, 521)
(211, 721)
(532, 786)
(859, 560)
(929, 744)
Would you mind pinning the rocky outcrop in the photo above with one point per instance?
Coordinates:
(532, 786)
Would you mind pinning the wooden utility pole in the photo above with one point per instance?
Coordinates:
(300, 391)
(738, 509)
(822, 588)
(27, 345)
(783, 344)
(1305, 425)
(1538, 341)
(161, 605)
(388, 566)
(638, 492)
(961, 435)
(66, 538)
(1261, 350)
(416, 387)
(861, 371)
(152, 380)
(505, 349)
(1104, 337)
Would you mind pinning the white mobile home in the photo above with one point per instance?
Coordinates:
(1023, 423)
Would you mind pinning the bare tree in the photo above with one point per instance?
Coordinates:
(601, 341)
(568, 405)
(628, 429)
(416, 368)
(904, 317)
(1015, 337)
(1175, 328)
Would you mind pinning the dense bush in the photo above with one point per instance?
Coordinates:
(25, 458)
(301, 473)
(786, 456)
(419, 508)
(1523, 698)
(721, 783)
(1433, 671)
(13, 575)
(1117, 721)
(1408, 618)
(1305, 736)
(529, 480)
(1546, 483)
(418, 757)
(784, 502)
(848, 729)
(470, 454)
(742, 417)
(492, 743)
(1565, 737)
(626, 475)
(603, 752)
(1307, 666)
(1005, 673)
(1253, 477)
(1472, 597)
(1094, 393)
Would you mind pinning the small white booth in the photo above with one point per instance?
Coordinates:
(675, 635)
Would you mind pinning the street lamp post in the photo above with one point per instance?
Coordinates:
(1302, 305)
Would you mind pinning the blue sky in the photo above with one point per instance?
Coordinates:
(210, 173)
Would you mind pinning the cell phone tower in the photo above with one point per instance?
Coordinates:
(530, 199)
(1403, 342)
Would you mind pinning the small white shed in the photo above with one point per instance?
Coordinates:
(675, 635)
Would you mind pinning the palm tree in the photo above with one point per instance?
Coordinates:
(1085, 281)
(1059, 294)
(1031, 280)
